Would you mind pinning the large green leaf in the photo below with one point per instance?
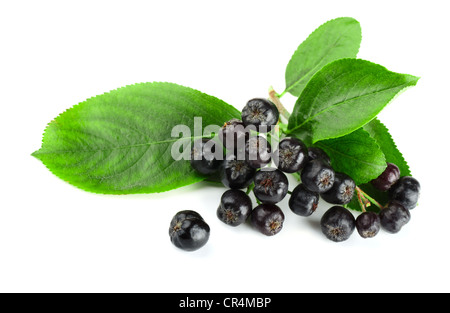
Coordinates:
(343, 96)
(336, 39)
(356, 154)
(120, 142)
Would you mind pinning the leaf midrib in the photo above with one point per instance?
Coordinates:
(120, 147)
(312, 69)
(290, 131)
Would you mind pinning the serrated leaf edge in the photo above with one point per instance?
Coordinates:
(298, 127)
(195, 179)
(287, 89)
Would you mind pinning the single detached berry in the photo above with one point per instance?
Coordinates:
(236, 174)
(337, 224)
(233, 135)
(394, 217)
(406, 191)
(257, 152)
(342, 190)
(303, 202)
(188, 230)
(291, 155)
(267, 218)
(315, 153)
(388, 178)
(368, 224)
(203, 156)
(318, 176)
(235, 207)
(270, 186)
(261, 113)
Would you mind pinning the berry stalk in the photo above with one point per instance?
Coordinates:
(274, 97)
(368, 198)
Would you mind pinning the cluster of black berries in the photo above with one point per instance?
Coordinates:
(247, 153)
(338, 223)
(403, 196)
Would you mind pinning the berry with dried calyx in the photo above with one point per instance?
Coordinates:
(235, 207)
(291, 155)
(261, 113)
(317, 176)
(368, 224)
(342, 190)
(337, 224)
(303, 201)
(270, 186)
(267, 218)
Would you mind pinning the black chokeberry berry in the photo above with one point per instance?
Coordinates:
(235, 207)
(394, 217)
(236, 174)
(267, 218)
(257, 152)
(233, 135)
(303, 201)
(261, 113)
(368, 224)
(203, 156)
(388, 178)
(291, 156)
(342, 190)
(317, 176)
(406, 192)
(315, 153)
(337, 224)
(270, 186)
(188, 230)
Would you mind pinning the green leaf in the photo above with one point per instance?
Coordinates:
(120, 142)
(356, 154)
(380, 133)
(343, 96)
(336, 39)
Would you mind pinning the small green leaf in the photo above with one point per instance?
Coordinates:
(380, 133)
(343, 96)
(356, 154)
(120, 142)
(336, 39)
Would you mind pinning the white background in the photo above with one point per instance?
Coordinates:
(57, 238)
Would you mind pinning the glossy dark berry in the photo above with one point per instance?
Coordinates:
(270, 186)
(203, 158)
(406, 191)
(236, 174)
(188, 230)
(368, 224)
(342, 190)
(291, 155)
(233, 135)
(260, 113)
(267, 218)
(315, 153)
(235, 207)
(388, 178)
(394, 217)
(337, 224)
(317, 176)
(303, 201)
(257, 152)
